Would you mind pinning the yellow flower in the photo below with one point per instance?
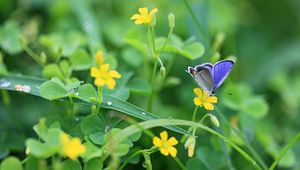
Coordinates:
(144, 17)
(203, 99)
(165, 145)
(104, 76)
(71, 147)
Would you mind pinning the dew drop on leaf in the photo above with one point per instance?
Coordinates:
(4, 83)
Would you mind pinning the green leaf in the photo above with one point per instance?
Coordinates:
(35, 163)
(132, 57)
(139, 85)
(255, 106)
(67, 42)
(112, 61)
(135, 137)
(11, 163)
(190, 50)
(87, 92)
(52, 70)
(109, 102)
(121, 149)
(10, 35)
(41, 150)
(81, 60)
(133, 38)
(93, 164)
(92, 151)
(53, 90)
(92, 124)
(65, 68)
(70, 164)
(97, 138)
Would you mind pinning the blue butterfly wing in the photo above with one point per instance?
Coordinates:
(220, 72)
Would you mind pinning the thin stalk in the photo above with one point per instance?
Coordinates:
(179, 163)
(131, 156)
(32, 54)
(247, 144)
(198, 25)
(166, 42)
(194, 119)
(123, 134)
(284, 151)
(194, 113)
(100, 96)
(153, 80)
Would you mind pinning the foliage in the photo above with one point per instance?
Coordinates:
(93, 84)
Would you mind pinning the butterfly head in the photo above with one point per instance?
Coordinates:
(191, 71)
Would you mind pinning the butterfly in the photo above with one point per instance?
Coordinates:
(210, 76)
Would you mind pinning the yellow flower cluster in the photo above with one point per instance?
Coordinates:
(71, 147)
(203, 99)
(103, 76)
(144, 17)
(165, 145)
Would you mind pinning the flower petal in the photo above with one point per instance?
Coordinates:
(104, 68)
(212, 99)
(208, 106)
(143, 11)
(139, 21)
(164, 136)
(205, 95)
(198, 92)
(99, 82)
(173, 151)
(95, 72)
(136, 16)
(111, 83)
(114, 74)
(64, 138)
(197, 101)
(157, 142)
(164, 151)
(172, 141)
(153, 11)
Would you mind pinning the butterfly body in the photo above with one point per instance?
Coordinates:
(210, 76)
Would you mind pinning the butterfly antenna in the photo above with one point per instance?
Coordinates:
(228, 93)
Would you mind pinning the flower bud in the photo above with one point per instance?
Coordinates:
(190, 145)
(216, 57)
(43, 57)
(219, 39)
(171, 18)
(214, 120)
(163, 72)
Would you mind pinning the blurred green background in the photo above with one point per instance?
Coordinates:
(265, 82)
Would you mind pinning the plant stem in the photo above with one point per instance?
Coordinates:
(153, 80)
(247, 144)
(194, 113)
(123, 134)
(131, 156)
(179, 163)
(194, 119)
(32, 54)
(198, 25)
(100, 96)
(284, 151)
